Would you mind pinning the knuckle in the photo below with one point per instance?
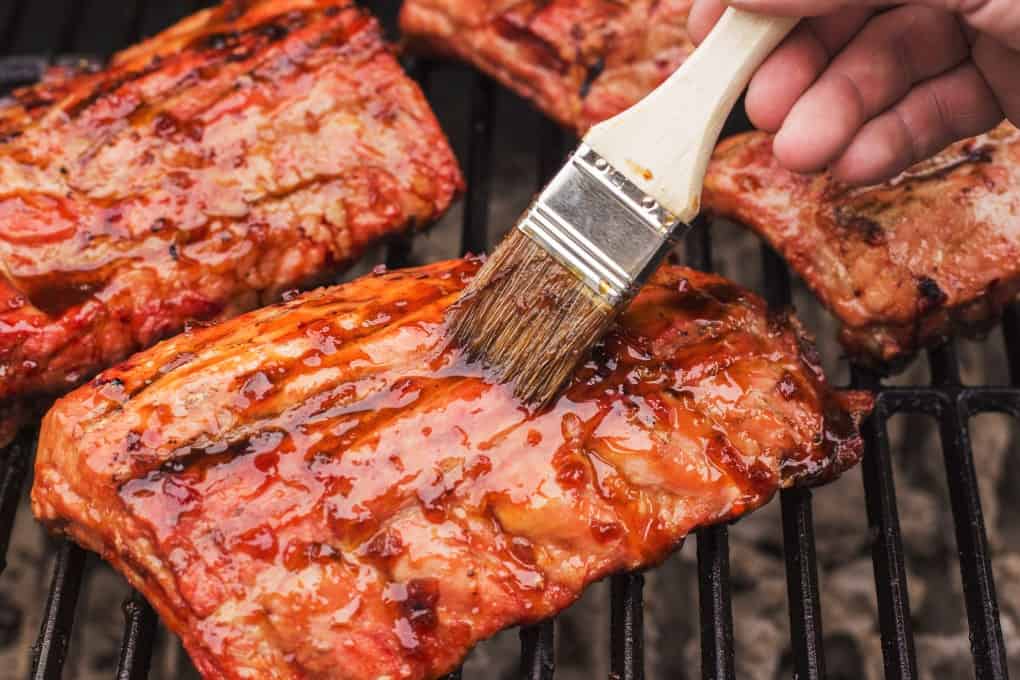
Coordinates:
(997, 17)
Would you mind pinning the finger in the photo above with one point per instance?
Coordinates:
(880, 66)
(788, 73)
(704, 15)
(1000, 66)
(953, 106)
(998, 18)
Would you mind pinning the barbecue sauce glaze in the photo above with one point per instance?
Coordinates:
(336, 454)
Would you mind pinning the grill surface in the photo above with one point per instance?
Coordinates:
(43, 30)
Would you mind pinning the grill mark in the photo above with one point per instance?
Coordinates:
(517, 30)
(198, 362)
(930, 296)
(340, 306)
(807, 449)
(216, 64)
(506, 554)
(122, 254)
(721, 424)
(104, 88)
(592, 74)
(753, 481)
(228, 72)
(379, 418)
(272, 421)
(974, 155)
(865, 228)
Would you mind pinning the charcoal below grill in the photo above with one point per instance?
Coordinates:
(861, 579)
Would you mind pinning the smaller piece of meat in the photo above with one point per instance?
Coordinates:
(580, 61)
(904, 264)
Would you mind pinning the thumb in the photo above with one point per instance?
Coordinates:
(997, 18)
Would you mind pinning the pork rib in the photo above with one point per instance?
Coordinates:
(903, 265)
(252, 148)
(581, 61)
(323, 489)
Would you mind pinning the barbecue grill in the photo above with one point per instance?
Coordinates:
(34, 34)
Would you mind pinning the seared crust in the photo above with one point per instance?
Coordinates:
(580, 61)
(250, 149)
(903, 265)
(323, 489)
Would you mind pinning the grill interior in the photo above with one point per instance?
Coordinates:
(35, 33)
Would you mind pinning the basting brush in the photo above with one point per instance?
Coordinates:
(608, 218)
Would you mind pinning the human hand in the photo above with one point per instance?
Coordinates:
(869, 87)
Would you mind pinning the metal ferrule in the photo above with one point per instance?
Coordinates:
(601, 226)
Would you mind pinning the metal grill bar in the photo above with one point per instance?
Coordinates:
(22, 70)
(139, 633)
(475, 234)
(971, 541)
(987, 644)
(15, 465)
(898, 653)
(10, 16)
(50, 649)
(802, 584)
(626, 631)
(930, 401)
(538, 661)
(716, 614)
(714, 597)
(1011, 336)
(102, 19)
(538, 642)
(798, 526)
(41, 28)
(398, 251)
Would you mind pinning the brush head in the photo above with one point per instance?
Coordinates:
(557, 282)
(529, 319)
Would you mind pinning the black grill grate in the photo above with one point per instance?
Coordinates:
(61, 27)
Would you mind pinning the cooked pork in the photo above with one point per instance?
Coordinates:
(581, 61)
(248, 150)
(903, 264)
(323, 488)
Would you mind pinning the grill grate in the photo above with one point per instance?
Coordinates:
(29, 27)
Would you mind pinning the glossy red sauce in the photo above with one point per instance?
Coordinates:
(402, 423)
(327, 480)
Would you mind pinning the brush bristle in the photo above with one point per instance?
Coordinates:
(529, 319)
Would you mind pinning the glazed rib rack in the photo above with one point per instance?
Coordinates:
(34, 34)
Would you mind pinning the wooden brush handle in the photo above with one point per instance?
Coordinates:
(664, 142)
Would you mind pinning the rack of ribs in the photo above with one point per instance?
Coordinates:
(323, 488)
(250, 149)
(903, 265)
(580, 61)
